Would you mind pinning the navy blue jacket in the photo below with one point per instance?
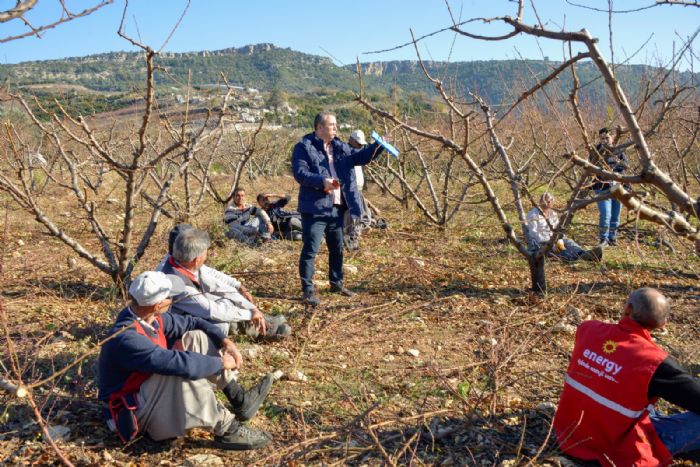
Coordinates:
(310, 167)
(615, 160)
(130, 351)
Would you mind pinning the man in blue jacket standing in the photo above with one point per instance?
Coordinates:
(324, 166)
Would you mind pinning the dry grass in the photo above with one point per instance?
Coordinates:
(480, 391)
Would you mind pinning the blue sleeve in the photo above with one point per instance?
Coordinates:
(367, 154)
(282, 202)
(135, 352)
(174, 326)
(300, 169)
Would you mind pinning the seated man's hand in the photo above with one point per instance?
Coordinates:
(258, 320)
(230, 349)
(232, 362)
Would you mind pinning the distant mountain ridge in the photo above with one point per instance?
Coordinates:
(267, 67)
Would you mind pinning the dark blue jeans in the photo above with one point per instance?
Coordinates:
(680, 432)
(314, 227)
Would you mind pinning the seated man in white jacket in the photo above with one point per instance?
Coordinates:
(211, 294)
(540, 222)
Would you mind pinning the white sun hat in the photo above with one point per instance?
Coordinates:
(153, 287)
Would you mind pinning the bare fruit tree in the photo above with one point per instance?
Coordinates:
(90, 161)
(463, 131)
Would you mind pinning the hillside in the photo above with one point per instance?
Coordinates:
(267, 67)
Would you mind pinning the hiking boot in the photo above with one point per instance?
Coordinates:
(310, 298)
(253, 399)
(277, 328)
(594, 254)
(240, 437)
(339, 289)
(245, 403)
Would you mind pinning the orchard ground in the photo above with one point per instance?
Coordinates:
(443, 357)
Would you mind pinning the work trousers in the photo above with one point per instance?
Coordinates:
(171, 405)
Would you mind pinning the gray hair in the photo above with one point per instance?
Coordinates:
(546, 198)
(321, 118)
(649, 307)
(190, 244)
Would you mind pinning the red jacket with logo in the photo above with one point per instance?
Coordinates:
(602, 413)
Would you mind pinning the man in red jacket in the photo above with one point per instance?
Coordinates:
(616, 374)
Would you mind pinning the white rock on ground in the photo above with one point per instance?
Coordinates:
(277, 375)
(350, 268)
(564, 328)
(413, 352)
(58, 432)
(488, 340)
(298, 376)
(547, 406)
(203, 460)
(252, 351)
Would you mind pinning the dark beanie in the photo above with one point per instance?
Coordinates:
(174, 233)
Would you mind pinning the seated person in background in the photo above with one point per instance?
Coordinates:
(616, 374)
(287, 224)
(540, 222)
(247, 223)
(158, 372)
(213, 295)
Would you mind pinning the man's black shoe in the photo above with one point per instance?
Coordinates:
(339, 289)
(241, 438)
(253, 398)
(310, 298)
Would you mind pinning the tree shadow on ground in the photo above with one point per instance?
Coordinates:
(473, 440)
(67, 290)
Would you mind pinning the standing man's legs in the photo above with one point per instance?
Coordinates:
(313, 228)
(614, 219)
(334, 240)
(604, 208)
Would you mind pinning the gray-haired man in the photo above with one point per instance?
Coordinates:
(211, 294)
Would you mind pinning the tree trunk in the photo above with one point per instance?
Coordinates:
(537, 273)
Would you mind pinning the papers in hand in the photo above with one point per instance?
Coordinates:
(391, 149)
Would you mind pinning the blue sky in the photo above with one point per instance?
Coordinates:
(345, 30)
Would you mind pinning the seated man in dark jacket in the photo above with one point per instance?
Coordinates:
(159, 370)
(287, 224)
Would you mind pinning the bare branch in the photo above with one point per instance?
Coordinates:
(38, 30)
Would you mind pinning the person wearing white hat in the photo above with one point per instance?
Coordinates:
(158, 372)
(357, 141)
